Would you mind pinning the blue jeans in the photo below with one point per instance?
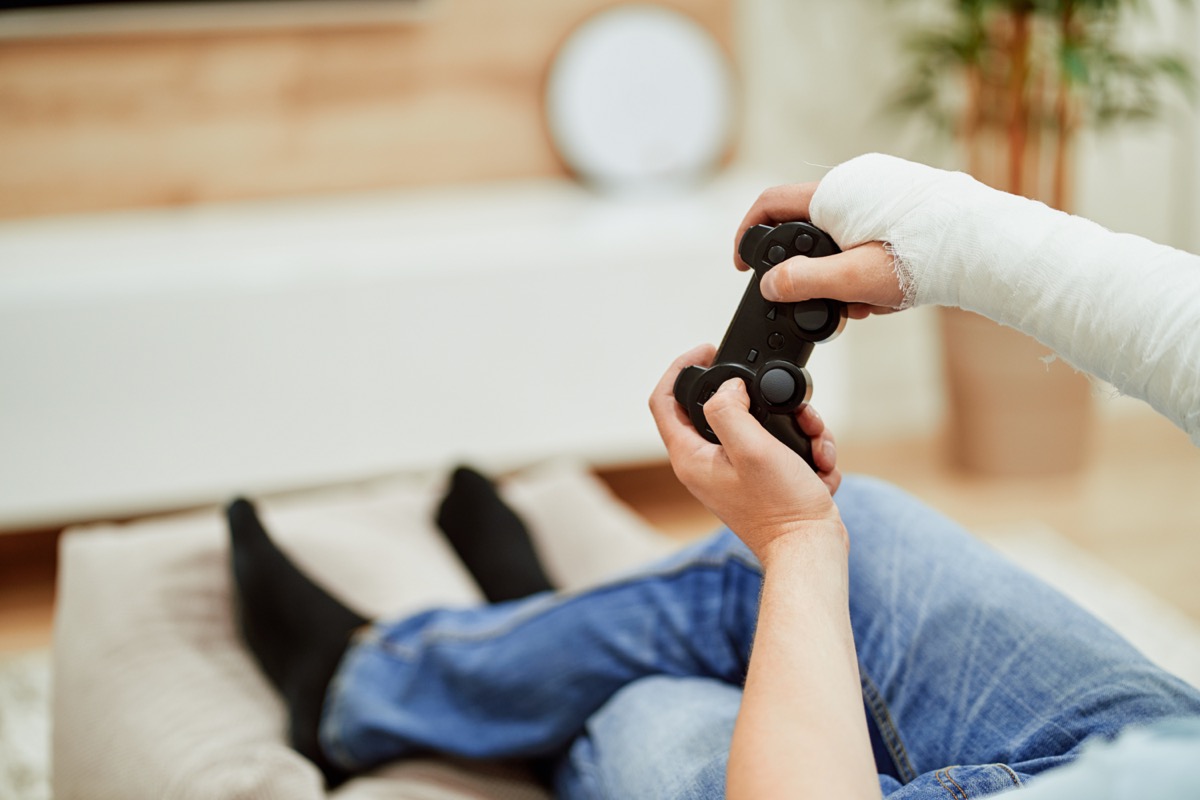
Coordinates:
(975, 675)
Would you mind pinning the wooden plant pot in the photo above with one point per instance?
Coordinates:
(1010, 412)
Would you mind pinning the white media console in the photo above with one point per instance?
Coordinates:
(159, 359)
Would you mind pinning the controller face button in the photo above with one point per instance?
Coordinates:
(778, 386)
(811, 315)
(776, 341)
(776, 254)
(804, 243)
(752, 356)
(771, 313)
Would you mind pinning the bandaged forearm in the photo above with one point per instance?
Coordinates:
(1120, 307)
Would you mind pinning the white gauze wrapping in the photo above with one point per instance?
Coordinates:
(1115, 305)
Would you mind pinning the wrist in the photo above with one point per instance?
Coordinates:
(807, 542)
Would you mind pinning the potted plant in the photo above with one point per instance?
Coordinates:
(1014, 82)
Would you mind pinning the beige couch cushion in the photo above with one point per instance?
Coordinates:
(154, 695)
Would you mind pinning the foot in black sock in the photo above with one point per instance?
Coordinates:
(490, 539)
(296, 630)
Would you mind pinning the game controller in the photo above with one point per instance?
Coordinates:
(768, 344)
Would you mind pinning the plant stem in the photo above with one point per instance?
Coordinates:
(1064, 125)
(1018, 115)
(972, 120)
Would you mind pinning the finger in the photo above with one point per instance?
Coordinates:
(777, 204)
(864, 310)
(832, 481)
(810, 421)
(728, 414)
(825, 452)
(672, 420)
(824, 445)
(860, 275)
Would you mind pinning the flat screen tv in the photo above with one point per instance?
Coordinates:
(41, 18)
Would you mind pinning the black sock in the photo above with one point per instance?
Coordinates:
(490, 539)
(295, 629)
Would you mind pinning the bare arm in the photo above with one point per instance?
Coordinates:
(801, 731)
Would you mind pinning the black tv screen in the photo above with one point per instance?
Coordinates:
(45, 3)
(39, 18)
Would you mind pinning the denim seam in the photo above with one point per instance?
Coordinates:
(1016, 779)
(887, 729)
(952, 793)
(950, 778)
(407, 652)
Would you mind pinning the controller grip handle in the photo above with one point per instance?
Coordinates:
(786, 428)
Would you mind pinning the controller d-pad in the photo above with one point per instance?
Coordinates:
(778, 387)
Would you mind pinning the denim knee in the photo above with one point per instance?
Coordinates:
(662, 738)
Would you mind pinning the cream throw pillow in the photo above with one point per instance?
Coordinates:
(154, 695)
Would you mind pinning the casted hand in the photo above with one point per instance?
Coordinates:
(863, 277)
(753, 482)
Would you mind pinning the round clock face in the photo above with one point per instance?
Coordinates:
(639, 97)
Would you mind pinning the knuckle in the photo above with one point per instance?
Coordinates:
(716, 404)
(721, 405)
(785, 280)
(778, 190)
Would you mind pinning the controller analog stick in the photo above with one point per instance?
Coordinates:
(778, 386)
(811, 315)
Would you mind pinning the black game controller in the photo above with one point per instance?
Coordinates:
(768, 344)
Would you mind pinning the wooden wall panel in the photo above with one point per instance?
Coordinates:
(116, 122)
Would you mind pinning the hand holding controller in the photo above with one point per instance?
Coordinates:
(768, 344)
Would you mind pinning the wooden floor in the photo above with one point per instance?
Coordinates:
(27, 573)
(1136, 506)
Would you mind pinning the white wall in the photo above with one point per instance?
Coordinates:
(819, 76)
(118, 396)
(158, 359)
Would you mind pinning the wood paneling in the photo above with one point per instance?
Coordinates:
(115, 122)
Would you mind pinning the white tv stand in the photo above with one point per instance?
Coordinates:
(160, 359)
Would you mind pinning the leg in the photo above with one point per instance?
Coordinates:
(296, 630)
(490, 539)
(520, 679)
(659, 738)
(966, 659)
(664, 738)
